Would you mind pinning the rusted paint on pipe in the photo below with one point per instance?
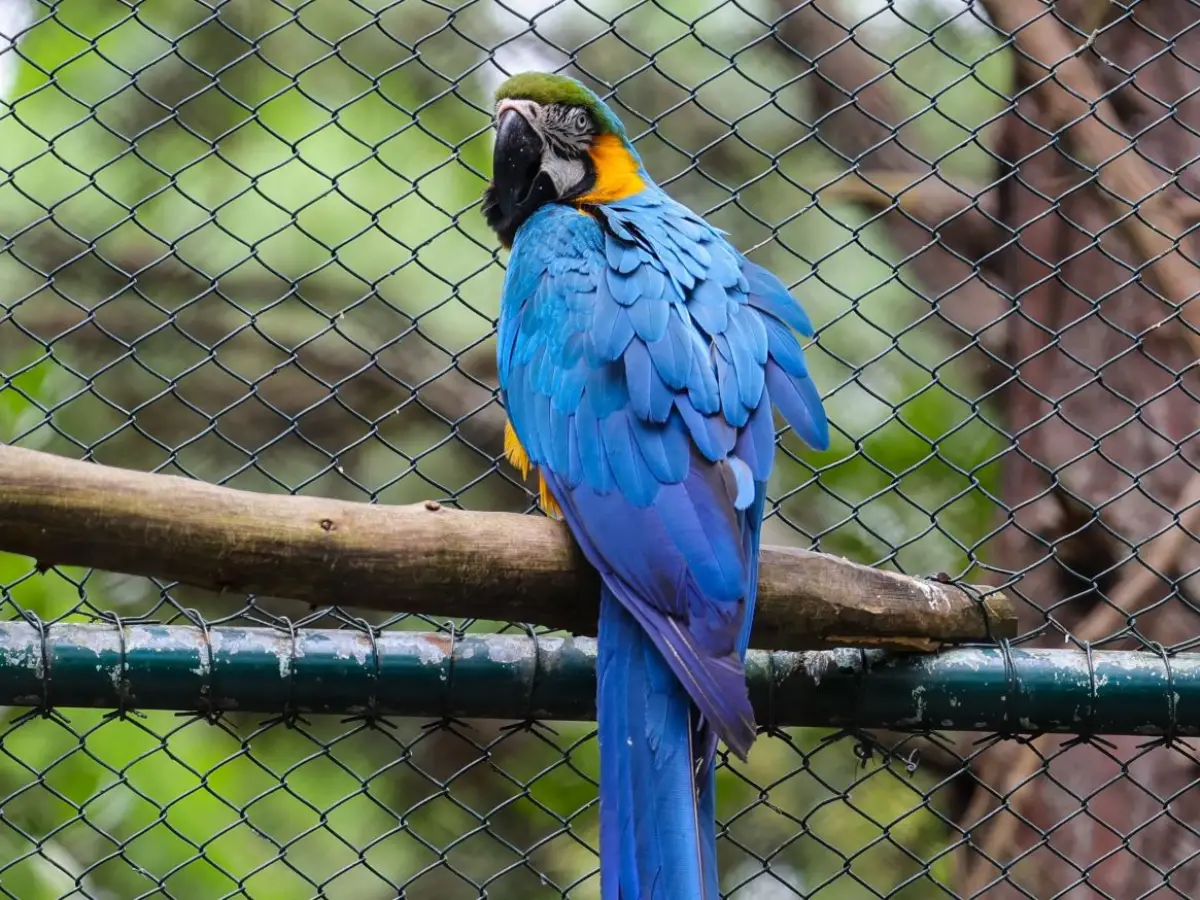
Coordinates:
(432, 675)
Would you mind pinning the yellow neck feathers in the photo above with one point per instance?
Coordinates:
(616, 172)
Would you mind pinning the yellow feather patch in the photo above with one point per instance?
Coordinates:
(514, 451)
(549, 505)
(616, 172)
(520, 461)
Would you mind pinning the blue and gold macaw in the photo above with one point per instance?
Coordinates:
(639, 358)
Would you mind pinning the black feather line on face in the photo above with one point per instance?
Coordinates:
(569, 129)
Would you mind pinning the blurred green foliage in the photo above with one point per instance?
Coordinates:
(242, 243)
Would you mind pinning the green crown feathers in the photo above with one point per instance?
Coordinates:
(544, 88)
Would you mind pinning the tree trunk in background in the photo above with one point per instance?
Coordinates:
(1098, 397)
(1103, 417)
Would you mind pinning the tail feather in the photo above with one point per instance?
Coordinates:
(707, 806)
(706, 776)
(655, 843)
(658, 829)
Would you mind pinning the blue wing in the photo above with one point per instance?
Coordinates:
(639, 356)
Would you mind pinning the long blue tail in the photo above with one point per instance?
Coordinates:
(651, 830)
(657, 778)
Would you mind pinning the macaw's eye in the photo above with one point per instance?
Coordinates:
(582, 122)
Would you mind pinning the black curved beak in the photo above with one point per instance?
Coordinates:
(515, 160)
(518, 186)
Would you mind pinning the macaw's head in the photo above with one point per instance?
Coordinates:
(556, 141)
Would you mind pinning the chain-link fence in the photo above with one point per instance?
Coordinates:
(242, 243)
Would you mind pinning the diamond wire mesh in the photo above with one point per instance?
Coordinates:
(242, 244)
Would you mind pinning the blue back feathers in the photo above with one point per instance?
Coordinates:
(640, 355)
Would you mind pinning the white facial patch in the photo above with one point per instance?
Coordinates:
(565, 173)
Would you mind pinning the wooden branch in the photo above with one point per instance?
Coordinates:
(1136, 582)
(962, 217)
(860, 119)
(1159, 561)
(428, 559)
(851, 94)
(1072, 100)
(462, 393)
(1095, 15)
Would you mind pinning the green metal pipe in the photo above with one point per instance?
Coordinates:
(398, 673)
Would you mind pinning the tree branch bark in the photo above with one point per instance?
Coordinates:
(964, 217)
(1136, 218)
(428, 559)
(1073, 102)
(458, 392)
(859, 118)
